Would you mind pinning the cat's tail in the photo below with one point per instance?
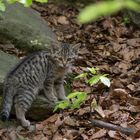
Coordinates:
(6, 103)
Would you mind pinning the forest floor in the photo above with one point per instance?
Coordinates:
(113, 47)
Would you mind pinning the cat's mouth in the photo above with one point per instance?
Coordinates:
(64, 66)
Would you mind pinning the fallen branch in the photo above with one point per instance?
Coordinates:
(101, 124)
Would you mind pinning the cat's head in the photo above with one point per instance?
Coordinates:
(65, 54)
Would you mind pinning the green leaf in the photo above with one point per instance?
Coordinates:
(94, 11)
(28, 3)
(81, 97)
(83, 75)
(75, 104)
(78, 98)
(11, 1)
(61, 105)
(133, 5)
(74, 94)
(126, 20)
(2, 6)
(95, 79)
(92, 70)
(42, 1)
(105, 81)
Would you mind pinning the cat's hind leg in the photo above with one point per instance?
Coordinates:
(20, 114)
(23, 100)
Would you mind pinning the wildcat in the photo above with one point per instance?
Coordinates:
(42, 70)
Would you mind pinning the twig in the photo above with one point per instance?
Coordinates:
(101, 124)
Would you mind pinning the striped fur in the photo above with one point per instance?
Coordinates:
(41, 70)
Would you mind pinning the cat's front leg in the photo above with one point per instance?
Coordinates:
(49, 91)
(59, 87)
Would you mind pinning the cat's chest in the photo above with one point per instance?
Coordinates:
(61, 71)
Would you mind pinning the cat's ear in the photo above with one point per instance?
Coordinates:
(76, 47)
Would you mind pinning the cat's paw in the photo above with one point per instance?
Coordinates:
(62, 98)
(25, 123)
(32, 128)
(53, 99)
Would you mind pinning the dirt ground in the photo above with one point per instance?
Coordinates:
(113, 46)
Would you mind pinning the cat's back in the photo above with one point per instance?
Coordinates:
(28, 63)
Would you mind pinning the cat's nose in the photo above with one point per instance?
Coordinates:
(64, 63)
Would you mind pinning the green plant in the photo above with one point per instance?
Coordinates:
(75, 99)
(94, 78)
(105, 8)
(126, 20)
(2, 6)
(26, 3)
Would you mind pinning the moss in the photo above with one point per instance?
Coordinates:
(25, 28)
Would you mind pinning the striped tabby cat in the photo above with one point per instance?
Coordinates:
(41, 70)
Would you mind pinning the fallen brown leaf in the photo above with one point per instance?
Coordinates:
(99, 134)
(63, 20)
